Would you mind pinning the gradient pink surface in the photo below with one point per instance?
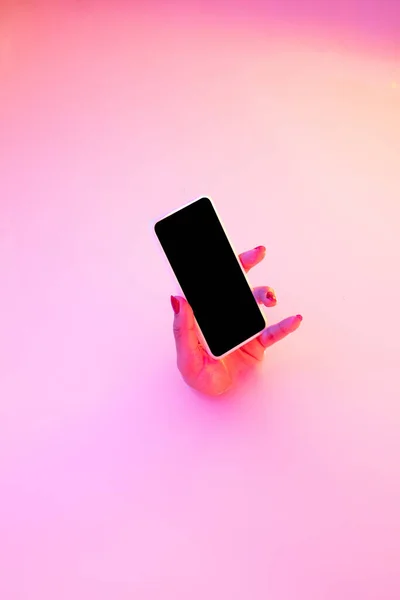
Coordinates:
(116, 481)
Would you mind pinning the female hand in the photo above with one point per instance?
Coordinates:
(214, 377)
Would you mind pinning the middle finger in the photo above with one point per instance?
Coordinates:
(265, 295)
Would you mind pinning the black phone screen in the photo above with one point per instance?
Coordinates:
(210, 276)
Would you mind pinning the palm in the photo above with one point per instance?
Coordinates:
(213, 377)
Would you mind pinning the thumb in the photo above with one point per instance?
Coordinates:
(185, 334)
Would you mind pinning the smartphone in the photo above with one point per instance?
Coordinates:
(211, 277)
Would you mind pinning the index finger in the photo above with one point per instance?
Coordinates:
(251, 258)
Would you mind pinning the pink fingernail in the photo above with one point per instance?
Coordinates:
(271, 296)
(299, 317)
(175, 304)
(259, 248)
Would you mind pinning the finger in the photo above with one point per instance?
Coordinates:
(251, 258)
(185, 334)
(275, 333)
(254, 349)
(265, 295)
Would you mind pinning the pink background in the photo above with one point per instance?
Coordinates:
(116, 481)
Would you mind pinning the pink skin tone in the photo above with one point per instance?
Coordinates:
(215, 377)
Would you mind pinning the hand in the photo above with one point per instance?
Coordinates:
(214, 377)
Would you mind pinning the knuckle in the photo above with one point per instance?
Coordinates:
(177, 331)
(282, 329)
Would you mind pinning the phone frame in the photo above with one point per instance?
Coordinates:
(199, 332)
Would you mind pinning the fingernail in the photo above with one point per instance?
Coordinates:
(259, 248)
(175, 304)
(299, 317)
(271, 296)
